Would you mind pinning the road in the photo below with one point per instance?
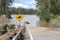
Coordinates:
(51, 36)
(44, 34)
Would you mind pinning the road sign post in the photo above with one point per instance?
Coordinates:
(19, 17)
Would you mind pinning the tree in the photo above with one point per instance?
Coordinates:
(22, 11)
(47, 8)
(4, 6)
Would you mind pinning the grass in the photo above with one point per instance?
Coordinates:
(4, 20)
(53, 23)
(44, 24)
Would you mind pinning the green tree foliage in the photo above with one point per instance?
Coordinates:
(47, 8)
(4, 6)
(26, 11)
(22, 11)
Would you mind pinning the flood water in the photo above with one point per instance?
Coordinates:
(33, 19)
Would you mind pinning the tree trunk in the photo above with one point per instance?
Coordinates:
(8, 16)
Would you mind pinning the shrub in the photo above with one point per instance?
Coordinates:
(3, 28)
(12, 26)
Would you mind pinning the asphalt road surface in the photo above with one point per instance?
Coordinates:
(51, 36)
(44, 34)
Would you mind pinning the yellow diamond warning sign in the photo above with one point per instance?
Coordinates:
(19, 17)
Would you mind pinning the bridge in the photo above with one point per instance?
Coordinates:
(37, 33)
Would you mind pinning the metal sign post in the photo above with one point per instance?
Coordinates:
(19, 17)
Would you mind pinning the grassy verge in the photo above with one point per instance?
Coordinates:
(5, 28)
(4, 20)
(55, 23)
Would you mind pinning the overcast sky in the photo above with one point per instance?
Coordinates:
(24, 4)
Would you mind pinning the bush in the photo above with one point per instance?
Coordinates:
(12, 26)
(3, 28)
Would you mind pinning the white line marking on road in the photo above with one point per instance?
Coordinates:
(30, 34)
